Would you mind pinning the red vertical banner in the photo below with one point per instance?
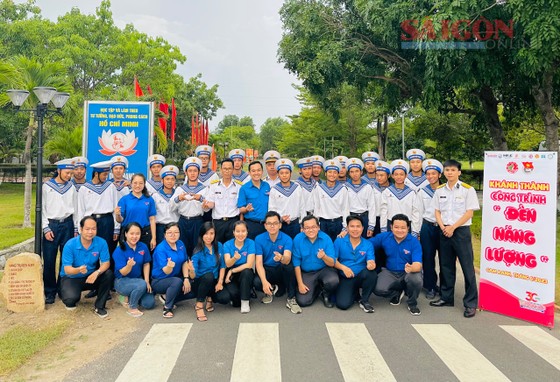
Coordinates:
(137, 88)
(173, 119)
(213, 159)
(149, 90)
(207, 131)
(164, 108)
(198, 135)
(192, 129)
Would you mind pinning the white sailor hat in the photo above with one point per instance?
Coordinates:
(80, 161)
(415, 154)
(237, 154)
(400, 164)
(354, 162)
(66, 164)
(156, 159)
(332, 164)
(432, 164)
(370, 156)
(342, 159)
(119, 160)
(305, 162)
(284, 163)
(104, 166)
(203, 150)
(192, 161)
(271, 156)
(169, 170)
(317, 160)
(382, 166)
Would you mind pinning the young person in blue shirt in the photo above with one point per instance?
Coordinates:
(132, 270)
(275, 271)
(81, 257)
(356, 265)
(239, 258)
(208, 270)
(170, 270)
(404, 264)
(313, 257)
(253, 200)
(139, 207)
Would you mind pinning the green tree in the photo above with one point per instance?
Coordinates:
(64, 143)
(270, 133)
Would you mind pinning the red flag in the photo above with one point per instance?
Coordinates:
(164, 108)
(173, 119)
(213, 159)
(207, 130)
(192, 129)
(137, 88)
(149, 90)
(198, 136)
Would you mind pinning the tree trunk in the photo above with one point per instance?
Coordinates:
(382, 128)
(543, 97)
(28, 175)
(490, 106)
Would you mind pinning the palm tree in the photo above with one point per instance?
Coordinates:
(64, 143)
(24, 73)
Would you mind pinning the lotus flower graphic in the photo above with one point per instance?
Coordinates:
(117, 143)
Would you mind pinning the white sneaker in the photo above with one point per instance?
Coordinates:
(267, 299)
(292, 304)
(245, 308)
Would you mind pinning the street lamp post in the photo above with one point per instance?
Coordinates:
(225, 145)
(45, 95)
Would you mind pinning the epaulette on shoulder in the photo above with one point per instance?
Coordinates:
(215, 181)
(441, 185)
(238, 182)
(466, 185)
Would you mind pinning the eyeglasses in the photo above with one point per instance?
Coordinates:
(310, 228)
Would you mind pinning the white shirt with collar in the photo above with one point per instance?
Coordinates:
(400, 201)
(59, 202)
(361, 199)
(453, 203)
(331, 203)
(224, 199)
(164, 212)
(189, 207)
(287, 201)
(424, 198)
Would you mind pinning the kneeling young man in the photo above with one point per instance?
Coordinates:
(356, 265)
(404, 264)
(313, 258)
(273, 263)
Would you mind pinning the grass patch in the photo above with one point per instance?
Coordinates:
(20, 343)
(11, 205)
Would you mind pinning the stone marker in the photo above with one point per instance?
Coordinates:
(22, 284)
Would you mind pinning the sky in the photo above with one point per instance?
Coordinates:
(233, 43)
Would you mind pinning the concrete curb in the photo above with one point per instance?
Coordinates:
(25, 246)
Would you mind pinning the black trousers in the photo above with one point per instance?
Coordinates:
(224, 228)
(292, 228)
(62, 231)
(282, 275)
(204, 286)
(71, 289)
(254, 228)
(190, 229)
(238, 289)
(331, 227)
(429, 238)
(325, 280)
(106, 230)
(365, 221)
(348, 288)
(458, 246)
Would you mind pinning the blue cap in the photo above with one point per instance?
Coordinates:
(383, 166)
(332, 164)
(80, 162)
(305, 162)
(237, 154)
(66, 164)
(400, 164)
(169, 170)
(119, 161)
(415, 154)
(104, 166)
(432, 164)
(203, 150)
(156, 159)
(192, 161)
(370, 156)
(284, 163)
(354, 163)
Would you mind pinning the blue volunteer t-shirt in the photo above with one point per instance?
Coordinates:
(162, 252)
(141, 256)
(265, 247)
(247, 249)
(257, 196)
(304, 252)
(137, 210)
(354, 258)
(205, 262)
(398, 254)
(74, 254)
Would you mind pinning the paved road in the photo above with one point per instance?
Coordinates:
(272, 344)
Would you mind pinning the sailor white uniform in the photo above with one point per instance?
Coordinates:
(271, 156)
(330, 203)
(238, 155)
(189, 207)
(154, 186)
(59, 203)
(79, 162)
(361, 197)
(242, 178)
(165, 214)
(399, 201)
(412, 181)
(287, 200)
(207, 178)
(367, 157)
(122, 186)
(426, 209)
(306, 186)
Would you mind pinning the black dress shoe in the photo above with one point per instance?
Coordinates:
(49, 300)
(469, 312)
(440, 303)
(327, 301)
(91, 294)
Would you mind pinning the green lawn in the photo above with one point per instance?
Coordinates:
(11, 212)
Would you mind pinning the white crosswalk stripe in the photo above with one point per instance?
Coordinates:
(467, 363)
(358, 356)
(258, 355)
(165, 339)
(536, 339)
